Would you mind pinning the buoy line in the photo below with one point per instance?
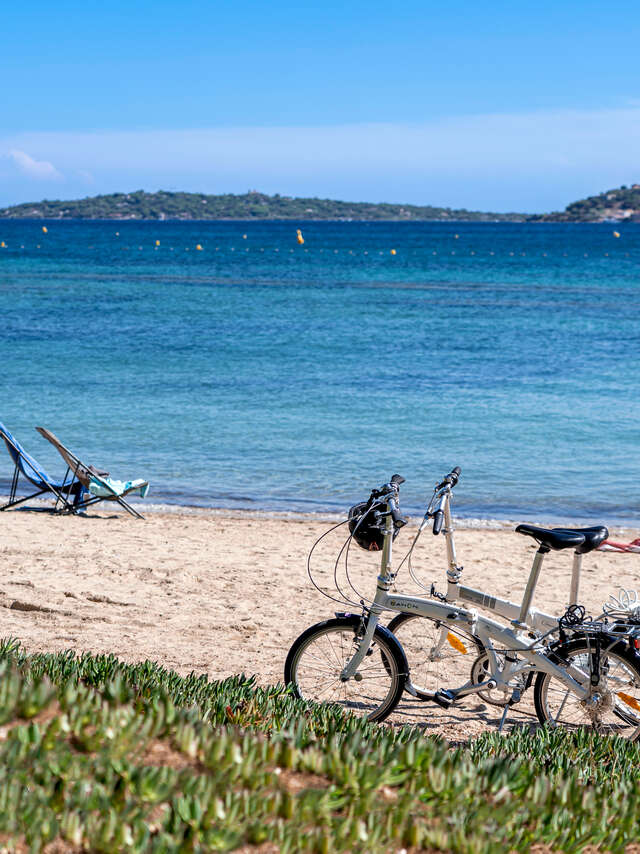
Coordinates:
(157, 245)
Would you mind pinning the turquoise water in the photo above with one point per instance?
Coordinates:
(260, 374)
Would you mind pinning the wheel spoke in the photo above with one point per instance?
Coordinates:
(610, 702)
(323, 656)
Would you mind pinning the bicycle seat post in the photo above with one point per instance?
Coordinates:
(521, 622)
(575, 578)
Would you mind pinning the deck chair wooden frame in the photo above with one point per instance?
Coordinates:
(61, 489)
(85, 474)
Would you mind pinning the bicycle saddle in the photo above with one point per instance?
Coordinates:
(556, 538)
(592, 537)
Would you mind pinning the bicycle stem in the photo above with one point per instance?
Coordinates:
(454, 569)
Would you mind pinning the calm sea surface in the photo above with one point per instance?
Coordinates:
(260, 374)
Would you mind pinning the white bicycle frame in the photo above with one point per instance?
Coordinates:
(524, 614)
(484, 628)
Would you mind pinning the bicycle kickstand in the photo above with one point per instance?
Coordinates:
(513, 699)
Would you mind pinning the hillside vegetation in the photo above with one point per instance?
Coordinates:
(252, 205)
(97, 755)
(619, 205)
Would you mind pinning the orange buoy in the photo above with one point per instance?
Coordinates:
(299, 237)
(393, 251)
(616, 234)
(198, 247)
(44, 229)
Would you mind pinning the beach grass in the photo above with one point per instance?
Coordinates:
(103, 756)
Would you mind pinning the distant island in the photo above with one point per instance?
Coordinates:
(252, 205)
(618, 205)
(613, 205)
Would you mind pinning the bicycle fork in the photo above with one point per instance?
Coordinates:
(350, 670)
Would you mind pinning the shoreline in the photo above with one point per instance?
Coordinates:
(461, 522)
(537, 219)
(331, 516)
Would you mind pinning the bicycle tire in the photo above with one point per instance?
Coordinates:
(417, 636)
(615, 706)
(318, 680)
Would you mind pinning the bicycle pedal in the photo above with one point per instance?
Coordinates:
(444, 699)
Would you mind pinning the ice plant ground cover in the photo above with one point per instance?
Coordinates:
(98, 755)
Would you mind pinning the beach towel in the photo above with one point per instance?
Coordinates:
(610, 546)
(106, 487)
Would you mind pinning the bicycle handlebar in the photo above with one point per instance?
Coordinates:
(451, 479)
(447, 484)
(389, 493)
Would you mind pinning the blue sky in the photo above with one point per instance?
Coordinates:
(500, 106)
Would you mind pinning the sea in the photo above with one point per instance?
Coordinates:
(234, 367)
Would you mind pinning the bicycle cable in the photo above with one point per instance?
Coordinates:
(345, 600)
(363, 599)
(394, 575)
(346, 546)
(309, 573)
(345, 549)
(409, 554)
(408, 558)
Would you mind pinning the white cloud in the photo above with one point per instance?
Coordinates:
(521, 161)
(33, 168)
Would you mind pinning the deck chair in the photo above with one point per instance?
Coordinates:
(68, 492)
(97, 484)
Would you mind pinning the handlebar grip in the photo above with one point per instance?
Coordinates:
(398, 520)
(438, 519)
(451, 479)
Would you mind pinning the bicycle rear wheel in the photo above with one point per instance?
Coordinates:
(613, 704)
(438, 655)
(318, 656)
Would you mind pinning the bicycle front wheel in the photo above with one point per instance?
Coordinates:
(613, 704)
(439, 656)
(317, 658)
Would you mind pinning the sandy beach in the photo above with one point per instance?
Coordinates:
(221, 593)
